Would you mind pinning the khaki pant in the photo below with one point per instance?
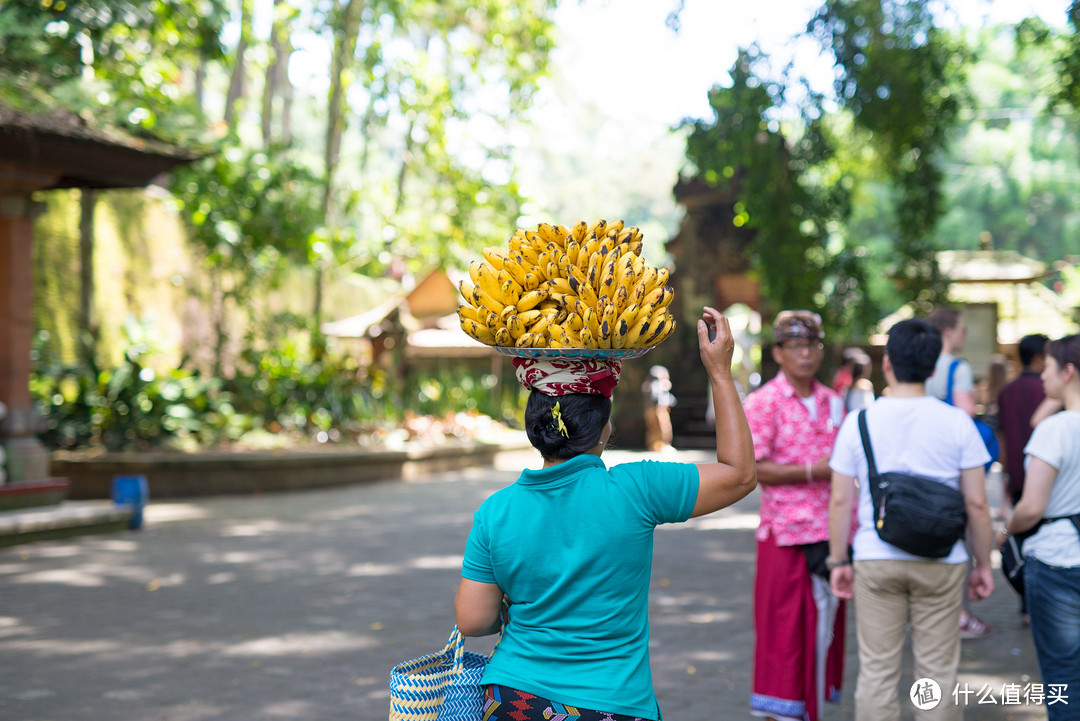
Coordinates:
(888, 596)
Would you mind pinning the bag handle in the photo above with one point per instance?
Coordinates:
(456, 642)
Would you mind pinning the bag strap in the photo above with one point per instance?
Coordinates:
(1074, 518)
(949, 383)
(1024, 535)
(867, 448)
(873, 478)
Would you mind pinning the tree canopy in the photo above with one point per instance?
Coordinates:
(851, 226)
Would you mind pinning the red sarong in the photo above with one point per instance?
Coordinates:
(787, 640)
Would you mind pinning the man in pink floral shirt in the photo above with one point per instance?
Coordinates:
(799, 624)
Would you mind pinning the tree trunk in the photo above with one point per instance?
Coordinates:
(87, 344)
(286, 103)
(237, 81)
(347, 23)
(200, 84)
(217, 312)
(406, 158)
(274, 72)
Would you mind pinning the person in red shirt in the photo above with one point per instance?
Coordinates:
(845, 374)
(1017, 402)
(798, 623)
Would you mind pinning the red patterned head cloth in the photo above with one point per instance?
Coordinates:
(594, 376)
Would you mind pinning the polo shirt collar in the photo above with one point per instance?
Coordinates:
(562, 471)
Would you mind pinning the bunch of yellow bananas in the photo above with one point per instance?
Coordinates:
(586, 287)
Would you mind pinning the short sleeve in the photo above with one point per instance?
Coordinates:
(847, 456)
(1045, 443)
(964, 380)
(762, 424)
(666, 492)
(477, 564)
(974, 454)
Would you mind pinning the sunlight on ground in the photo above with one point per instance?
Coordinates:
(263, 527)
(725, 522)
(421, 562)
(93, 575)
(287, 709)
(166, 512)
(340, 514)
(293, 644)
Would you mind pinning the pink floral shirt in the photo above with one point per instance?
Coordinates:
(784, 433)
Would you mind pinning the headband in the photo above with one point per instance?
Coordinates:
(797, 324)
(592, 376)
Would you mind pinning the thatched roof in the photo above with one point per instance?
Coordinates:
(60, 150)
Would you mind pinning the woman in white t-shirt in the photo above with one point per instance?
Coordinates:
(1052, 571)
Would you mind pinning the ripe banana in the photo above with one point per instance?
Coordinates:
(586, 286)
(478, 331)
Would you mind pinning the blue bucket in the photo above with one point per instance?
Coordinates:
(131, 491)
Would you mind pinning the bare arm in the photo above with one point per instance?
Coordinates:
(980, 531)
(477, 606)
(964, 400)
(1047, 408)
(1038, 481)
(734, 474)
(841, 501)
(791, 474)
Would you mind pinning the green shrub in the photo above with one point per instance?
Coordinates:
(287, 392)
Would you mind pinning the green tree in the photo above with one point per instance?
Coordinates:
(252, 214)
(416, 74)
(116, 64)
(789, 190)
(902, 79)
(1012, 166)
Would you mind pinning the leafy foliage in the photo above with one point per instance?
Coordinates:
(117, 64)
(284, 390)
(250, 211)
(788, 192)
(1011, 169)
(902, 80)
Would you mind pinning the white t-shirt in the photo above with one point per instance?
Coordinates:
(922, 436)
(938, 383)
(1057, 441)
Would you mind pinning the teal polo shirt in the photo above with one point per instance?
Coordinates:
(572, 547)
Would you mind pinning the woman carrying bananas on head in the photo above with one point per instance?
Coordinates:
(570, 545)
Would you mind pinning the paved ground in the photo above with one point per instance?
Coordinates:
(296, 606)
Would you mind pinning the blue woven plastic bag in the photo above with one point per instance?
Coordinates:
(442, 686)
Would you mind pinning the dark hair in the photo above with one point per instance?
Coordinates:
(584, 415)
(913, 349)
(1031, 346)
(1065, 350)
(859, 360)
(943, 317)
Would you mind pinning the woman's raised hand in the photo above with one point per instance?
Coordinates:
(715, 341)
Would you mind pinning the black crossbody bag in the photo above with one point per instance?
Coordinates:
(1012, 552)
(916, 514)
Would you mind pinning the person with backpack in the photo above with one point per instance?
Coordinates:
(953, 381)
(910, 434)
